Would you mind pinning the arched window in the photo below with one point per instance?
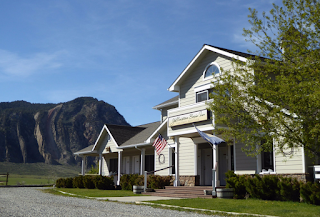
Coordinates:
(211, 70)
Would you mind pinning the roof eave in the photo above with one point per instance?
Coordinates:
(134, 145)
(85, 152)
(157, 130)
(166, 105)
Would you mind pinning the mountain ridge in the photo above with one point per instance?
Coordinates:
(51, 133)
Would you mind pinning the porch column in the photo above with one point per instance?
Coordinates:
(177, 181)
(143, 162)
(83, 165)
(215, 165)
(100, 164)
(119, 166)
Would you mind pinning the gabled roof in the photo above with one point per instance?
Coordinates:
(170, 102)
(175, 86)
(123, 136)
(143, 135)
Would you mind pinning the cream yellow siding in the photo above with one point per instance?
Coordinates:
(290, 163)
(165, 152)
(106, 161)
(109, 146)
(160, 165)
(195, 78)
(186, 157)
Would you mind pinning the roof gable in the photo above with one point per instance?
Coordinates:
(175, 86)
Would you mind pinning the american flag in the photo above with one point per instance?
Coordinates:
(159, 144)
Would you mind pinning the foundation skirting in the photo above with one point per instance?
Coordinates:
(189, 180)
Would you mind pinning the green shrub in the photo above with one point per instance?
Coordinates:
(104, 182)
(125, 182)
(69, 183)
(310, 193)
(153, 181)
(289, 189)
(128, 180)
(265, 187)
(269, 186)
(158, 182)
(78, 182)
(88, 182)
(237, 183)
(60, 183)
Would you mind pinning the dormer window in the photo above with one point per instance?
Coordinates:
(211, 70)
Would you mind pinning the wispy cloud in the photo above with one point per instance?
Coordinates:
(14, 65)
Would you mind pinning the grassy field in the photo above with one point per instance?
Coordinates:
(93, 192)
(262, 207)
(36, 173)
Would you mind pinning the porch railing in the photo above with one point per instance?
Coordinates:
(146, 175)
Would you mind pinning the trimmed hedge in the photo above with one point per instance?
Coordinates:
(310, 193)
(273, 187)
(153, 181)
(90, 182)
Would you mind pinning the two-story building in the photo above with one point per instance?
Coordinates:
(127, 150)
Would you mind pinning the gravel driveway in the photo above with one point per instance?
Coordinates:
(33, 202)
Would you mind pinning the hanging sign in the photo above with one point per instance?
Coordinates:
(188, 118)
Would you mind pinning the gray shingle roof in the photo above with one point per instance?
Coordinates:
(127, 135)
(84, 150)
(144, 134)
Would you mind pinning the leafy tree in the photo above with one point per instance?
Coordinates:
(275, 96)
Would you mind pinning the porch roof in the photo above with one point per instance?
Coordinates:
(87, 150)
(143, 135)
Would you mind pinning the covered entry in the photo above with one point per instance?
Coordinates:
(205, 163)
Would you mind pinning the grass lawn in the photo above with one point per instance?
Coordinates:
(93, 192)
(39, 169)
(28, 180)
(35, 173)
(253, 206)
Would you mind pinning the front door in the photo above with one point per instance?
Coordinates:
(135, 164)
(223, 164)
(206, 166)
(126, 165)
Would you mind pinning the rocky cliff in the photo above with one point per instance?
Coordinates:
(51, 133)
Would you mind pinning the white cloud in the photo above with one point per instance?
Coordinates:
(13, 65)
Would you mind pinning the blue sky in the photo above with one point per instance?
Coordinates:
(125, 52)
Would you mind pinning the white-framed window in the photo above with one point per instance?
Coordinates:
(211, 70)
(202, 96)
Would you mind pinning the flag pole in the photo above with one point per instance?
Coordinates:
(214, 169)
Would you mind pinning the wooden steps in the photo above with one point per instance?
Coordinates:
(181, 192)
